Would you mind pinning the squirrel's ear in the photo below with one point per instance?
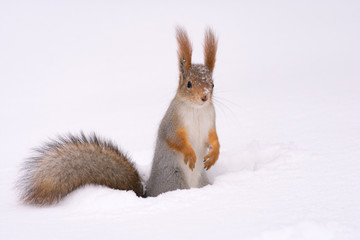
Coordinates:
(210, 47)
(184, 50)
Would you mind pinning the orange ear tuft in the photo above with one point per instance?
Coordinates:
(210, 48)
(184, 50)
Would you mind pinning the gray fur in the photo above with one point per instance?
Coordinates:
(165, 174)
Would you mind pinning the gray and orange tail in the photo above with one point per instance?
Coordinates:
(70, 162)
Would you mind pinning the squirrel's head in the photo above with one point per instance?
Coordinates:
(196, 83)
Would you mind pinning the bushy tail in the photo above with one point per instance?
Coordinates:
(70, 162)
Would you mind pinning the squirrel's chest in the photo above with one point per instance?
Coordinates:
(198, 123)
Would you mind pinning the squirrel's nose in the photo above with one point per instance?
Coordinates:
(204, 98)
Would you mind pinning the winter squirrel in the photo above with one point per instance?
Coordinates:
(187, 144)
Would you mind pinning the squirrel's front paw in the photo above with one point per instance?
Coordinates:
(191, 158)
(210, 158)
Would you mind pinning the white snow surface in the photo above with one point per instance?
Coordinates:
(287, 95)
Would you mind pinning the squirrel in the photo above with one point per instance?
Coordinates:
(187, 144)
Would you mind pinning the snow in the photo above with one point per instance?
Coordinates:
(287, 101)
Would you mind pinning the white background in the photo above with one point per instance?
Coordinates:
(287, 84)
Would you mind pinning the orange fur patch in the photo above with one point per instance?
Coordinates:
(213, 155)
(182, 145)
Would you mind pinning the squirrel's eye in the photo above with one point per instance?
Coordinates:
(189, 85)
(213, 85)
